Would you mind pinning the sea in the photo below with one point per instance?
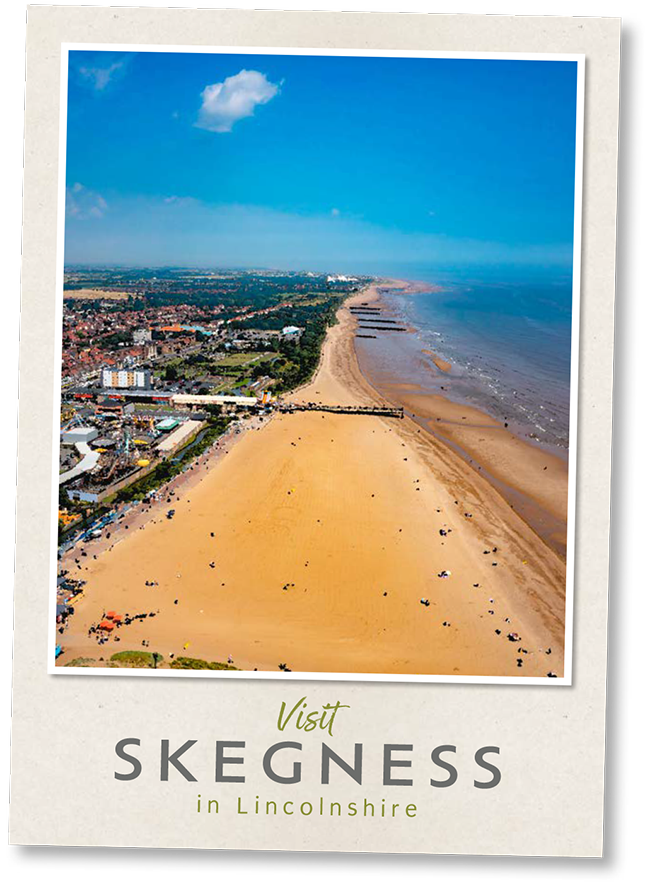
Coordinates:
(506, 333)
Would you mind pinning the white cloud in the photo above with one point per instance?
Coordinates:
(98, 77)
(84, 204)
(224, 104)
(179, 200)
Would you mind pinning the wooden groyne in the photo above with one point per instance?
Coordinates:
(382, 327)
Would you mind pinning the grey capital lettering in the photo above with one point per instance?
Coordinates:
(450, 768)
(136, 764)
(167, 759)
(270, 772)
(495, 771)
(389, 763)
(221, 759)
(355, 772)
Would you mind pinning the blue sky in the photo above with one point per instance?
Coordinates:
(318, 162)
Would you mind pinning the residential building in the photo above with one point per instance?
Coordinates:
(126, 378)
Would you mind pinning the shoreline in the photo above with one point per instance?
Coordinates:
(337, 544)
(531, 477)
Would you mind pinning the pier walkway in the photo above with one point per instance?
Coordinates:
(385, 410)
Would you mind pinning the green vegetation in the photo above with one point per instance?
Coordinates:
(232, 369)
(124, 659)
(187, 663)
(133, 659)
(244, 359)
(297, 359)
(143, 659)
(227, 292)
(119, 338)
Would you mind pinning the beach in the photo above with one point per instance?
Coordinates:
(425, 545)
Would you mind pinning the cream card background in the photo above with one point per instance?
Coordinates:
(552, 740)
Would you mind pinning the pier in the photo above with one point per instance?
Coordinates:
(383, 410)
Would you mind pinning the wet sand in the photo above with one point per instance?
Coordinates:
(441, 364)
(531, 478)
(314, 541)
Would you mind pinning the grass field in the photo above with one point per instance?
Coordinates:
(239, 359)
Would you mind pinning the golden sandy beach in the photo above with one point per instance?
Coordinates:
(325, 535)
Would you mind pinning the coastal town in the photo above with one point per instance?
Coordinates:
(149, 360)
(158, 367)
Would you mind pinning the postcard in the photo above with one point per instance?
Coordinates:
(315, 429)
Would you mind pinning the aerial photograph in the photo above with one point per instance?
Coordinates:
(318, 320)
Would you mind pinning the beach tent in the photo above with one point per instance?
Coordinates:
(107, 626)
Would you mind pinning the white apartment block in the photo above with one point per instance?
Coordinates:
(126, 378)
